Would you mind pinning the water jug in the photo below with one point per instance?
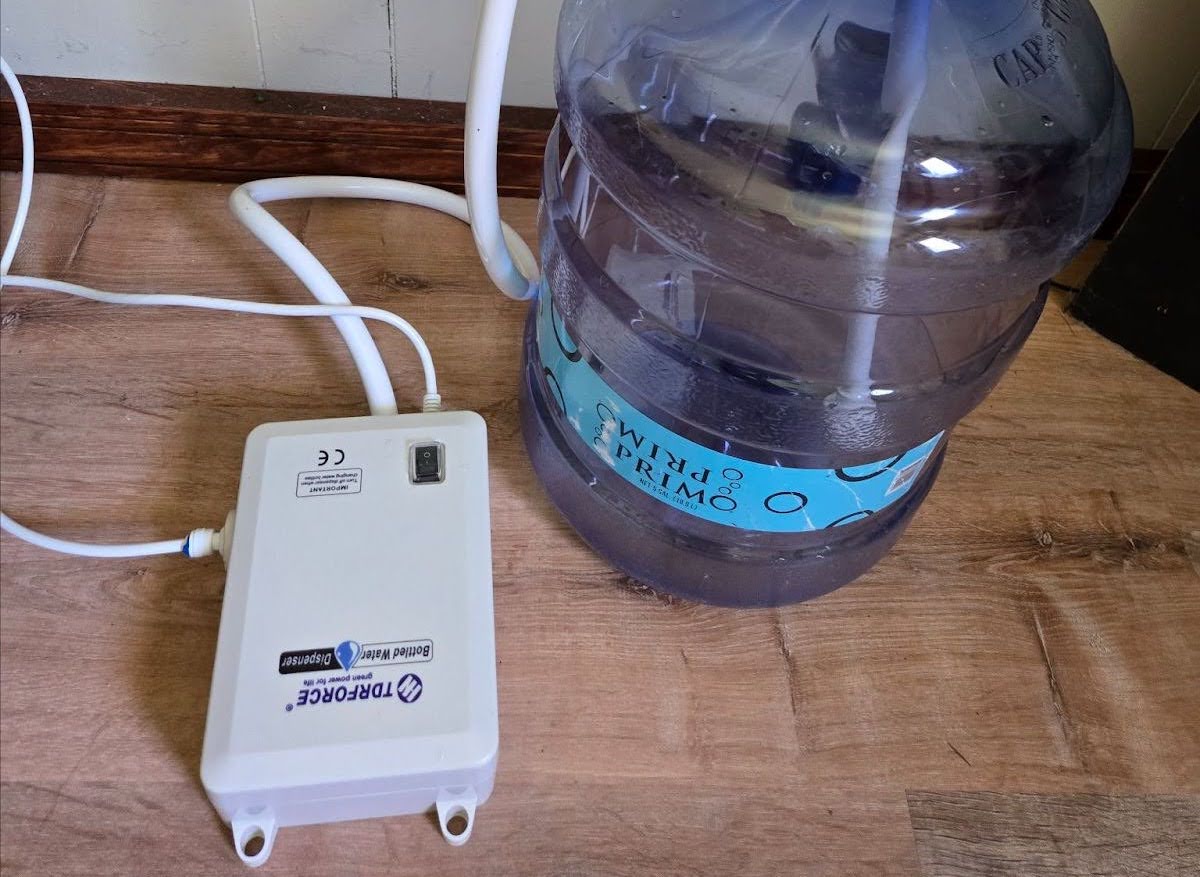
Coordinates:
(787, 245)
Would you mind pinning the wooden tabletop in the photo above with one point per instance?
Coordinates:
(1014, 690)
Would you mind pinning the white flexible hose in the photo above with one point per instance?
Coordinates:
(198, 543)
(482, 135)
(202, 542)
(903, 87)
(381, 398)
(18, 226)
(507, 258)
(398, 191)
(82, 549)
(246, 204)
(63, 546)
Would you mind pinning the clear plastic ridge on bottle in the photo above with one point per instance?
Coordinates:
(787, 246)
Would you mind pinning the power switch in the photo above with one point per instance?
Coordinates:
(428, 463)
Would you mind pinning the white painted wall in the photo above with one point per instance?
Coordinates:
(421, 48)
(1157, 47)
(410, 48)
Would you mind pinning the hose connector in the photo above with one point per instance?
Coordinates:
(205, 542)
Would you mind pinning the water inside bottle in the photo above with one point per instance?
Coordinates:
(783, 266)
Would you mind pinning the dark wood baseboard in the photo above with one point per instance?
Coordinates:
(236, 134)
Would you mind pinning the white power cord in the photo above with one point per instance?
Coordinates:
(507, 258)
(431, 402)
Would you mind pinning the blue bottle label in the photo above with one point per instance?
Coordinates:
(700, 481)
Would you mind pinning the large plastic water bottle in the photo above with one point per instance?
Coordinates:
(787, 245)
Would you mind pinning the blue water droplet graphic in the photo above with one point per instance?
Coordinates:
(348, 653)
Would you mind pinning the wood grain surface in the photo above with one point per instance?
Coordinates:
(1036, 632)
(982, 834)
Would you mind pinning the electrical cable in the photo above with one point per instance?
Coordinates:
(432, 401)
(507, 258)
(202, 542)
(206, 540)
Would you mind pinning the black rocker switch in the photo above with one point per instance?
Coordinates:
(427, 464)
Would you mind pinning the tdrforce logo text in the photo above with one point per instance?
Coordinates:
(407, 690)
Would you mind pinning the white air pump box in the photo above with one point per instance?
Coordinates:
(355, 671)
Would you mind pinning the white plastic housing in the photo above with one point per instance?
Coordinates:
(340, 558)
